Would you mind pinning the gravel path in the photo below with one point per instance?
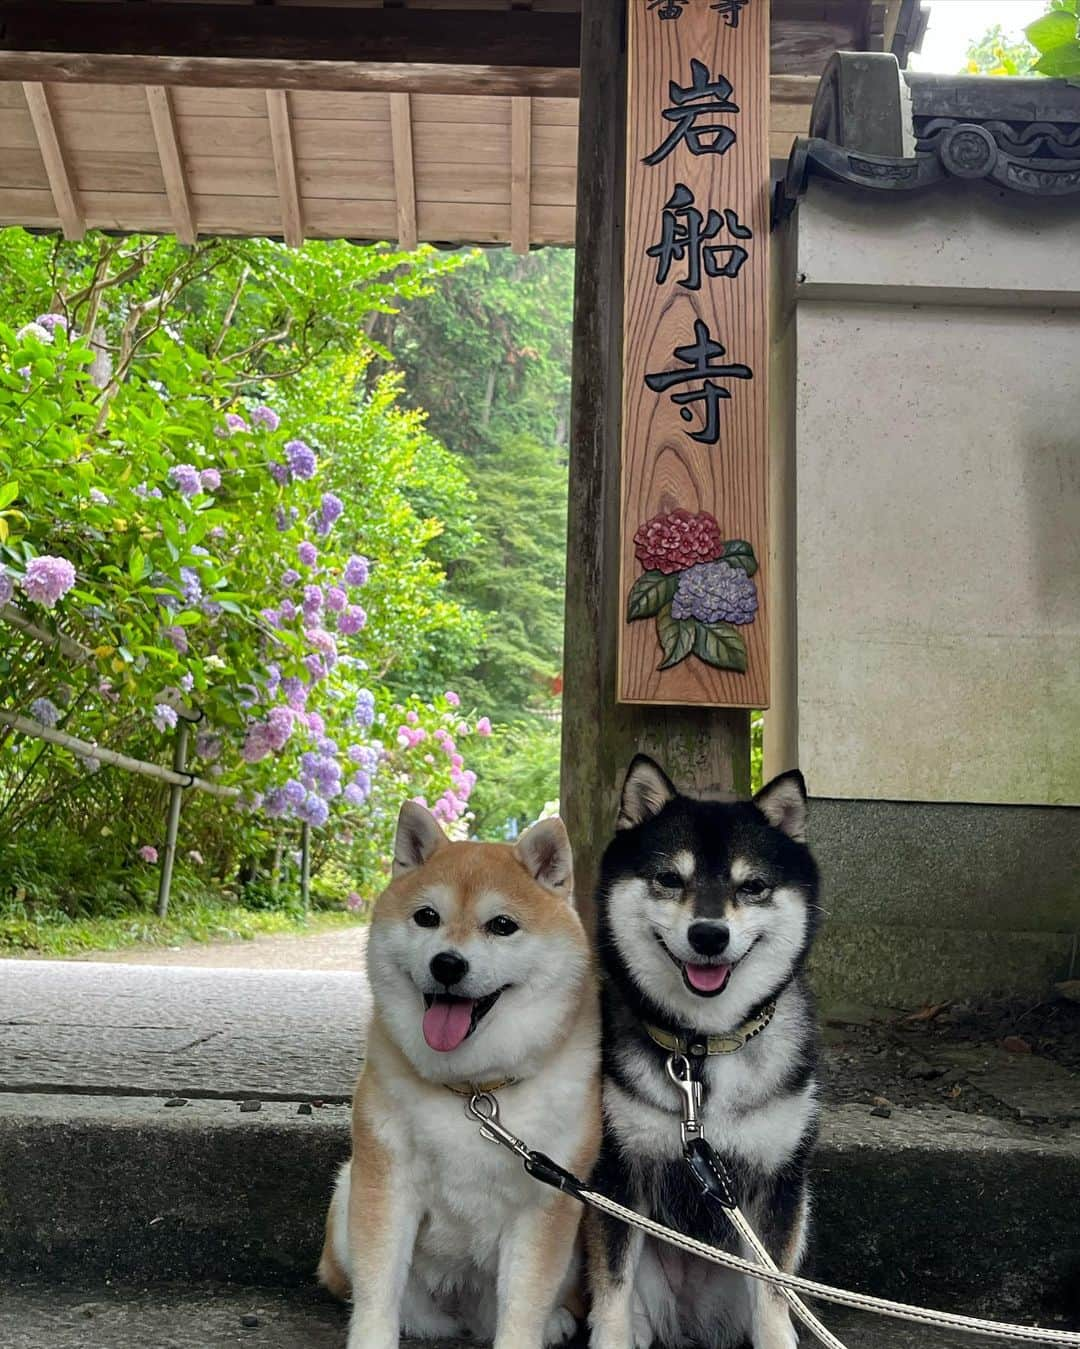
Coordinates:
(342, 949)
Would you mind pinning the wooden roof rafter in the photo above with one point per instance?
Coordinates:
(163, 119)
(63, 191)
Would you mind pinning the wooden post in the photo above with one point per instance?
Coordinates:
(176, 796)
(703, 748)
(305, 866)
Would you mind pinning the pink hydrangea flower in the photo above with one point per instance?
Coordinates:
(483, 726)
(148, 853)
(452, 698)
(48, 579)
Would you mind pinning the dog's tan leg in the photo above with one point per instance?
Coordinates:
(332, 1273)
(383, 1216)
(534, 1258)
(613, 1257)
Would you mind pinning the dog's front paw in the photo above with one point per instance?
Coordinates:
(560, 1327)
(641, 1329)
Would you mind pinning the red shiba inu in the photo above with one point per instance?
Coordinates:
(481, 979)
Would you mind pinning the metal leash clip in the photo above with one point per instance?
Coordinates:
(678, 1069)
(484, 1107)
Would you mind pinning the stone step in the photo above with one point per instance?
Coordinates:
(213, 1317)
(928, 1206)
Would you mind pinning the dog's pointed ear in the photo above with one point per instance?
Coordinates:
(645, 793)
(783, 803)
(418, 838)
(544, 852)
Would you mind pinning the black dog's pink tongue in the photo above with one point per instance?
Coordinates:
(446, 1024)
(707, 978)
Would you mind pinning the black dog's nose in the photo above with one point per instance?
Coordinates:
(449, 968)
(707, 938)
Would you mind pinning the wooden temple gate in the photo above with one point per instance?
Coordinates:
(483, 122)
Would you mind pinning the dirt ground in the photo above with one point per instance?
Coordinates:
(1011, 1060)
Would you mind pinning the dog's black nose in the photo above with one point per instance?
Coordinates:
(708, 938)
(449, 968)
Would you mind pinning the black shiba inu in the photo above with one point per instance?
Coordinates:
(706, 914)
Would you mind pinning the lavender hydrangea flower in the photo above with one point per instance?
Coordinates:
(308, 554)
(273, 679)
(234, 422)
(354, 795)
(265, 416)
(208, 746)
(294, 793)
(357, 571)
(50, 322)
(365, 757)
(295, 692)
(352, 620)
(316, 668)
(330, 512)
(190, 585)
(715, 592)
(287, 611)
(210, 479)
(7, 585)
(301, 459)
(279, 723)
(313, 811)
(186, 480)
(179, 638)
(45, 711)
(256, 743)
(336, 599)
(290, 576)
(98, 497)
(48, 579)
(164, 717)
(364, 714)
(187, 682)
(275, 804)
(313, 601)
(278, 472)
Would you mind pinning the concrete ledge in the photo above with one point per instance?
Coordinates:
(220, 1318)
(929, 1206)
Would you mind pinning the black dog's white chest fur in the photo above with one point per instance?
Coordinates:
(759, 1103)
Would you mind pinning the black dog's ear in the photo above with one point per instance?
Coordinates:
(783, 803)
(645, 793)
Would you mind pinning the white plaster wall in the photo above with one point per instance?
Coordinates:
(938, 520)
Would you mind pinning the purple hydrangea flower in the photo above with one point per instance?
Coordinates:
(313, 601)
(278, 472)
(190, 585)
(50, 322)
(48, 579)
(715, 592)
(327, 746)
(207, 746)
(336, 599)
(294, 793)
(329, 512)
(210, 479)
(295, 692)
(186, 480)
(234, 422)
(279, 723)
(274, 803)
(290, 576)
(308, 554)
(365, 708)
(362, 780)
(45, 711)
(357, 571)
(7, 585)
(187, 682)
(257, 744)
(301, 459)
(316, 668)
(179, 638)
(352, 620)
(353, 795)
(364, 756)
(273, 679)
(287, 611)
(164, 717)
(264, 416)
(98, 497)
(212, 609)
(314, 811)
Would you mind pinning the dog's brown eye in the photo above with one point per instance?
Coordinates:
(670, 880)
(426, 917)
(502, 926)
(753, 887)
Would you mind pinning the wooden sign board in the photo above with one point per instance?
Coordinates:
(695, 356)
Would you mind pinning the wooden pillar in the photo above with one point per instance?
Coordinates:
(702, 748)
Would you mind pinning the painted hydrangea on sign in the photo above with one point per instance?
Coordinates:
(698, 586)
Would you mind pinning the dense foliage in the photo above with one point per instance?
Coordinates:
(204, 486)
(1050, 46)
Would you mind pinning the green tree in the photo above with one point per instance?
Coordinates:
(995, 54)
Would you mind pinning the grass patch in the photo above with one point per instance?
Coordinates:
(56, 934)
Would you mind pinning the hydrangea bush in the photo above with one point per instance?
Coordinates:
(223, 551)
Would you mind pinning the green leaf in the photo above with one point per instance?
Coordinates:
(650, 592)
(1053, 30)
(738, 553)
(719, 645)
(136, 564)
(1063, 63)
(676, 637)
(8, 493)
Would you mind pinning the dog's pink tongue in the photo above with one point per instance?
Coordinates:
(446, 1024)
(708, 978)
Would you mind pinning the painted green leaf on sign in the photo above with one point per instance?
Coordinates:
(650, 592)
(738, 553)
(719, 645)
(676, 637)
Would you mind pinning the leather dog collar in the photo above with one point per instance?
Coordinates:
(697, 1046)
(479, 1088)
